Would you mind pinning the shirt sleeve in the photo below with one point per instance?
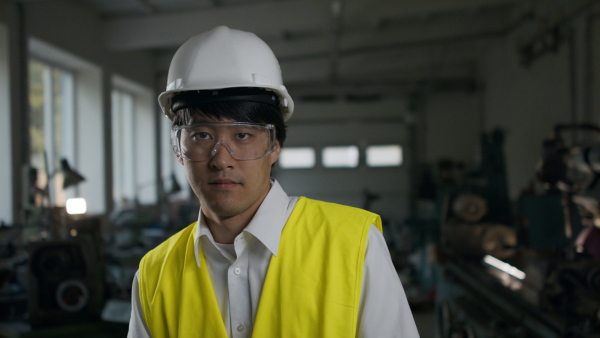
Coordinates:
(137, 324)
(384, 309)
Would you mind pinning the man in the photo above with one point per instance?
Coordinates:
(258, 262)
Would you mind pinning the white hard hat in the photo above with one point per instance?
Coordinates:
(224, 58)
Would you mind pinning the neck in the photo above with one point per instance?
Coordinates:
(225, 228)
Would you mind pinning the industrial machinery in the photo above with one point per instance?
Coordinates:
(475, 215)
(66, 282)
(537, 274)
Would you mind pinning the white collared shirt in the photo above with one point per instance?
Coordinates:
(238, 273)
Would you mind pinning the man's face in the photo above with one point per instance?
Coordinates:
(227, 187)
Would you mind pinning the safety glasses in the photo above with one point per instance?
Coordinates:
(243, 141)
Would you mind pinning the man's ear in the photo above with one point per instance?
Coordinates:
(276, 152)
(180, 160)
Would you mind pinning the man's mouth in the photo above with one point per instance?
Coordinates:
(224, 183)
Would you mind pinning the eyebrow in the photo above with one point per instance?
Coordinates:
(205, 120)
(197, 121)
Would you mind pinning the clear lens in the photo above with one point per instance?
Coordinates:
(243, 141)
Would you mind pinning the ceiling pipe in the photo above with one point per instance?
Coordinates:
(146, 7)
(337, 8)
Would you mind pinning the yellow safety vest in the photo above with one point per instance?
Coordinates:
(312, 288)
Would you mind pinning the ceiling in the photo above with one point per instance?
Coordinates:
(335, 44)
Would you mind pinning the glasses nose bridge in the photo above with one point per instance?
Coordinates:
(216, 148)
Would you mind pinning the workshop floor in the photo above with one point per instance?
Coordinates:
(425, 320)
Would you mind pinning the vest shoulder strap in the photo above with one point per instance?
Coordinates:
(313, 285)
(176, 295)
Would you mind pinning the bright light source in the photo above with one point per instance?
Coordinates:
(340, 157)
(76, 206)
(503, 266)
(384, 155)
(297, 158)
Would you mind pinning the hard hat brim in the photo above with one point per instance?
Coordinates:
(165, 100)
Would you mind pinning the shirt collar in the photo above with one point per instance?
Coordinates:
(266, 225)
(268, 222)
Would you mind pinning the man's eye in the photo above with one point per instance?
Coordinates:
(242, 136)
(201, 136)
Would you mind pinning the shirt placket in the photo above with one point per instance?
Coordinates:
(239, 293)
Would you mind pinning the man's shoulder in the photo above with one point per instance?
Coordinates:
(322, 212)
(177, 240)
(330, 207)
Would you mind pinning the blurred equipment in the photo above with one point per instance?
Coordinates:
(71, 177)
(469, 207)
(535, 276)
(574, 171)
(13, 296)
(588, 242)
(475, 213)
(66, 276)
(175, 186)
(477, 240)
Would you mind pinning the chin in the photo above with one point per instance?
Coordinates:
(226, 209)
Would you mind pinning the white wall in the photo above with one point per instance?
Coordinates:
(595, 71)
(73, 33)
(527, 102)
(73, 26)
(452, 127)
(320, 125)
(449, 127)
(6, 182)
(90, 138)
(145, 146)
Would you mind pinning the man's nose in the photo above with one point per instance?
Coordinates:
(221, 157)
(216, 148)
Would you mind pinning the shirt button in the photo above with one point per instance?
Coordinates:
(237, 272)
(241, 328)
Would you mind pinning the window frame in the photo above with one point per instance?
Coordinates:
(134, 173)
(48, 165)
(324, 161)
(311, 165)
(371, 146)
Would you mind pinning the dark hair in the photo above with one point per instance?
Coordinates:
(253, 112)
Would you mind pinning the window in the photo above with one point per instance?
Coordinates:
(172, 172)
(123, 136)
(340, 157)
(384, 155)
(6, 134)
(134, 153)
(51, 102)
(70, 89)
(297, 158)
